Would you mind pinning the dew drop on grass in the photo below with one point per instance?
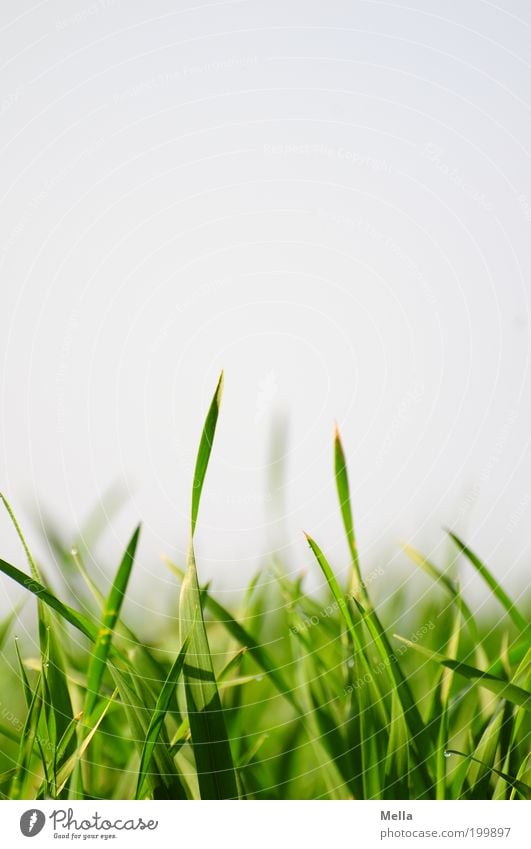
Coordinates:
(447, 754)
(258, 677)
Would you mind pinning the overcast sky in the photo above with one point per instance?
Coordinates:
(332, 202)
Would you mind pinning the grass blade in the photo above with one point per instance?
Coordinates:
(7, 623)
(332, 582)
(502, 688)
(523, 789)
(213, 757)
(110, 616)
(343, 492)
(157, 719)
(205, 448)
(492, 583)
(245, 639)
(439, 577)
(88, 628)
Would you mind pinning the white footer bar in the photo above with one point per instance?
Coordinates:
(266, 825)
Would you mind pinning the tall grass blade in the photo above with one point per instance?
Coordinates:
(492, 583)
(343, 492)
(111, 613)
(213, 757)
(205, 449)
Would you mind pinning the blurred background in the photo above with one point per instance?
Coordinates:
(332, 202)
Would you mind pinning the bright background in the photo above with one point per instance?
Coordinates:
(331, 201)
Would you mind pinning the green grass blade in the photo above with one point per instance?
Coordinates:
(502, 688)
(58, 704)
(88, 628)
(420, 733)
(523, 789)
(213, 757)
(165, 780)
(246, 639)
(28, 693)
(205, 448)
(439, 577)
(333, 583)
(346, 615)
(56, 697)
(110, 616)
(30, 736)
(7, 624)
(29, 699)
(443, 692)
(69, 765)
(159, 714)
(343, 492)
(215, 769)
(492, 583)
(33, 566)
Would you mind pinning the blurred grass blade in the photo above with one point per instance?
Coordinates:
(33, 566)
(165, 780)
(503, 689)
(492, 583)
(110, 616)
(157, 719)
(215, 768)
(439, 577)
(68, 767)
(443, 693)
(7, 624)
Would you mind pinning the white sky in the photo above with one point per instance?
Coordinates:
(331, 201)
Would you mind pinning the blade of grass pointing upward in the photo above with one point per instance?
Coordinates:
(492, 583)
(343, 492)
(111, 612)
(58, 712)
(157, 719)
(203, 455)
(213, 757)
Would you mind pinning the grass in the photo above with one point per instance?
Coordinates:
(291, 697)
